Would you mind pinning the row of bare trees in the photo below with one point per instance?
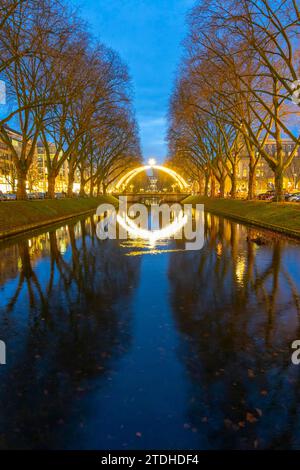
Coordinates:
(236, 90)
(66, 91)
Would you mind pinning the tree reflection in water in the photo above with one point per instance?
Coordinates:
(60, 296)
(237, 306)
(91, 347)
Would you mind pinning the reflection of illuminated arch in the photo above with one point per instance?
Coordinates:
(166, 232)
(125, 180)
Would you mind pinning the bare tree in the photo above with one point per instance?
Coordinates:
(29, 76)
(241, 58)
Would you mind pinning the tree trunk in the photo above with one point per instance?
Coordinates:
(279, 184)
(213, 187)
(91, 188)
(233, 183)
(104, 187)
(51, 185)
(253, 161)
(82, 185)
(200, 184)
(206, 184)
(71, 178)
(251, 182)
(21, 185)
(222, 187)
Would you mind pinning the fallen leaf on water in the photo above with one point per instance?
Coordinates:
(264, 392)
(228, 423)
(259, 412)
(138, 434)
(250, 418)
(251, 374)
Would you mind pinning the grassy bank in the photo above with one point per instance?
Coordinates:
(19, 216)
(282, 217)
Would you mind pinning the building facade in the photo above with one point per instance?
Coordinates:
(264, 174)
(8, 177)
(37, 175)
(61, 184)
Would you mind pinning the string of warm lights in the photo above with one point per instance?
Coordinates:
(125, 180)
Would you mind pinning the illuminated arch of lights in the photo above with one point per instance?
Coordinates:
(125, 180)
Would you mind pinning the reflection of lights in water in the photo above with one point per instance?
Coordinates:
(63, 246)
(219, 249)
(140, 243)
(227, 231)
(140, 247)
(151, 252)
(154, 235)
(208, 219)
(240, 269)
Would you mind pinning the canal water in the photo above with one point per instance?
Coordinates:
(120, 345)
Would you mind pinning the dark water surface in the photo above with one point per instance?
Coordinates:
(116, 345)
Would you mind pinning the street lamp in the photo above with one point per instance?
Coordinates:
(152, 162)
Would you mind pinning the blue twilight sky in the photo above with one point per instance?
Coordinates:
(148, 35)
